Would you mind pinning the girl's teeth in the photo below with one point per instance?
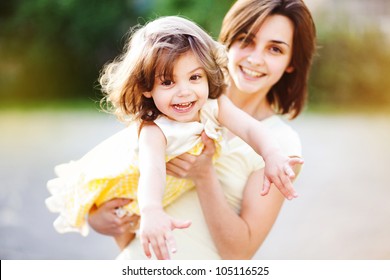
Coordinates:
(183, 106)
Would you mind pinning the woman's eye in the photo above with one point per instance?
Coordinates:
(276, 50)
(196, 77)
(245, 40)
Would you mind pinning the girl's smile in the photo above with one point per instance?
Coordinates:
(183, 107)
(182, 97)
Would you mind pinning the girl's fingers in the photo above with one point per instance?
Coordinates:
(296, 160)
(160, 248)
(171, 243)
(288, 186)
(289, 171)
(266, 187)
(280, 185)
(145, 245)
(179, 224)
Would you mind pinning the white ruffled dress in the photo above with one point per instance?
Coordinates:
(110, 170)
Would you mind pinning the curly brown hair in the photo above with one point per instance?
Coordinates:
(158, 45)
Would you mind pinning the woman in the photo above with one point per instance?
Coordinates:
(270, 47)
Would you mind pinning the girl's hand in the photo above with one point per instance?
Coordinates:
(190, 166)
(279, 171)
(156, 231)
(104, 219)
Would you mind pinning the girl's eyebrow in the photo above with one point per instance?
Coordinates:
(196, 69)
(191, 71)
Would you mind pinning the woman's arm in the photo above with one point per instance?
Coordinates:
(236, 236)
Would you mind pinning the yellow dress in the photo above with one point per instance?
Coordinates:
(110, 170)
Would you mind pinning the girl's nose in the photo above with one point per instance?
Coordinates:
(184, 91)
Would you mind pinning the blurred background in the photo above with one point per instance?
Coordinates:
(51, 52)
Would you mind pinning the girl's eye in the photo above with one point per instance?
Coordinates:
(167, 83)
(195, 77)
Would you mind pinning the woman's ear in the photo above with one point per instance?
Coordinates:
(290, 69)
(147, 94)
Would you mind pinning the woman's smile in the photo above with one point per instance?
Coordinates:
(251, 73)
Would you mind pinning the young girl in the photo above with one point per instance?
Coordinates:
(169, 83)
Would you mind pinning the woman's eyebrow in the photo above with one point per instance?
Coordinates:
(280, 42)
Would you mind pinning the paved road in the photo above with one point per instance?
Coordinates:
(343, 211)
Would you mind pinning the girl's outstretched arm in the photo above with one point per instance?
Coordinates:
(156, 226)
(278, 167)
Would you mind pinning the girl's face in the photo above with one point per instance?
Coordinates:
(258, 62)
(181, 99)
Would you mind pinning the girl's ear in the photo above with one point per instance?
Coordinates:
(290, 69)
(147, 94)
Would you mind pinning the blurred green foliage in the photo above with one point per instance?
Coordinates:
(351, 69)
(54, 49)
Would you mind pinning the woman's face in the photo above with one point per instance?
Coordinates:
(258, 62)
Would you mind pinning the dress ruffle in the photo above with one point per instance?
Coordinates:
(110, 170)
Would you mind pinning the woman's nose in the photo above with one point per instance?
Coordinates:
(256, 58)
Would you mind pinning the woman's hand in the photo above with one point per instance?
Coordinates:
(104, 219)
(190, 166)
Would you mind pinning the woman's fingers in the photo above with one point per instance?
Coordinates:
(116, 203)
(209, 146)
(181, 165)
